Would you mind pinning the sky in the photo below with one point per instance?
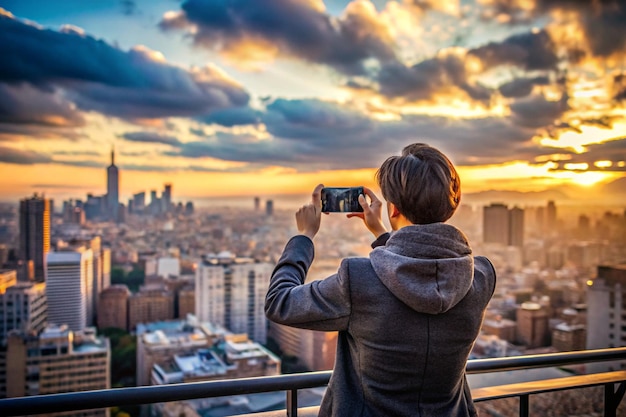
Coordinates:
(270, 97)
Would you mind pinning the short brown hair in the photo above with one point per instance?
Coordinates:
(422, 183)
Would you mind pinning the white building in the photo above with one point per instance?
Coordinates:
(69, 286)
(605, 309)
(168, 267)
(23, 307)
(231, 292)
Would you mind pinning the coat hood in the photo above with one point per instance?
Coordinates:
(428, 267)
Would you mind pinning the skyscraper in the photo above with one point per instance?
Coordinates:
(34, 235)
(503, 226)
(496, 224)
(113, 188)
(230, 292)
(69, 288)
(167, 198)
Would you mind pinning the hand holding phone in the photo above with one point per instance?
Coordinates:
(341, 199)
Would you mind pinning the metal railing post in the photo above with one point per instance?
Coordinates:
(292, 403)
(524, 405)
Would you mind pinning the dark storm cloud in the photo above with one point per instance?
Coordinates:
(602, 21)
(39, 113)
(536, 111)
(21, 157)
(529, 51)
(295, 27)
(425, 79)
(521, 87)
(100, 77)
(151, 137)
(613, 150)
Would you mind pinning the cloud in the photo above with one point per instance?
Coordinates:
(613, 151)
(22, 157)
(446, 73)
(521, 87)
(234, 116)
(601, 22)
(96, 76)
(314, 134)
(536, 111)
(247, 29)
(151, 137)
(530, 51)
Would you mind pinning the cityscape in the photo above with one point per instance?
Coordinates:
(153, 154)
(160, 292)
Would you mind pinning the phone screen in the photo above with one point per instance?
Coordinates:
(341, 199)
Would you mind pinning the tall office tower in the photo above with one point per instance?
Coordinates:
(606, 310)
(496, 224)
(231, 292)
(516, 227)
(551, 214)
(532, 325)
(167, 198)
(257, 203)
(113, 307)
(98, 284)
(113, 188)
(58, 360)
(269, 207)
(34, 234)
(69, 288)
(23, 307)
(151, 303)
(139, 202)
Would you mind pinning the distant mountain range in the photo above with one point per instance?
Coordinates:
(612, 193)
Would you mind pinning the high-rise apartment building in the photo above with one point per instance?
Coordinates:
(606, 308)
(23, 307)
(113, 307)
(503, 226)
(113, 188)
(35, 218)
(231, 292)
(152, 303)
(69, 288)
(58, 360)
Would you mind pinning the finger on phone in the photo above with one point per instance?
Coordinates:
(316, 196)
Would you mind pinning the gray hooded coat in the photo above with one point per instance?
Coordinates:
(407, 316)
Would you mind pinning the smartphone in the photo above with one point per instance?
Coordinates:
(341, 199)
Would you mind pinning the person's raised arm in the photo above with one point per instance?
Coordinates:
(372, 213)
(309, 216)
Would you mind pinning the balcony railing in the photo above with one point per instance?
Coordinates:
(291, 383)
